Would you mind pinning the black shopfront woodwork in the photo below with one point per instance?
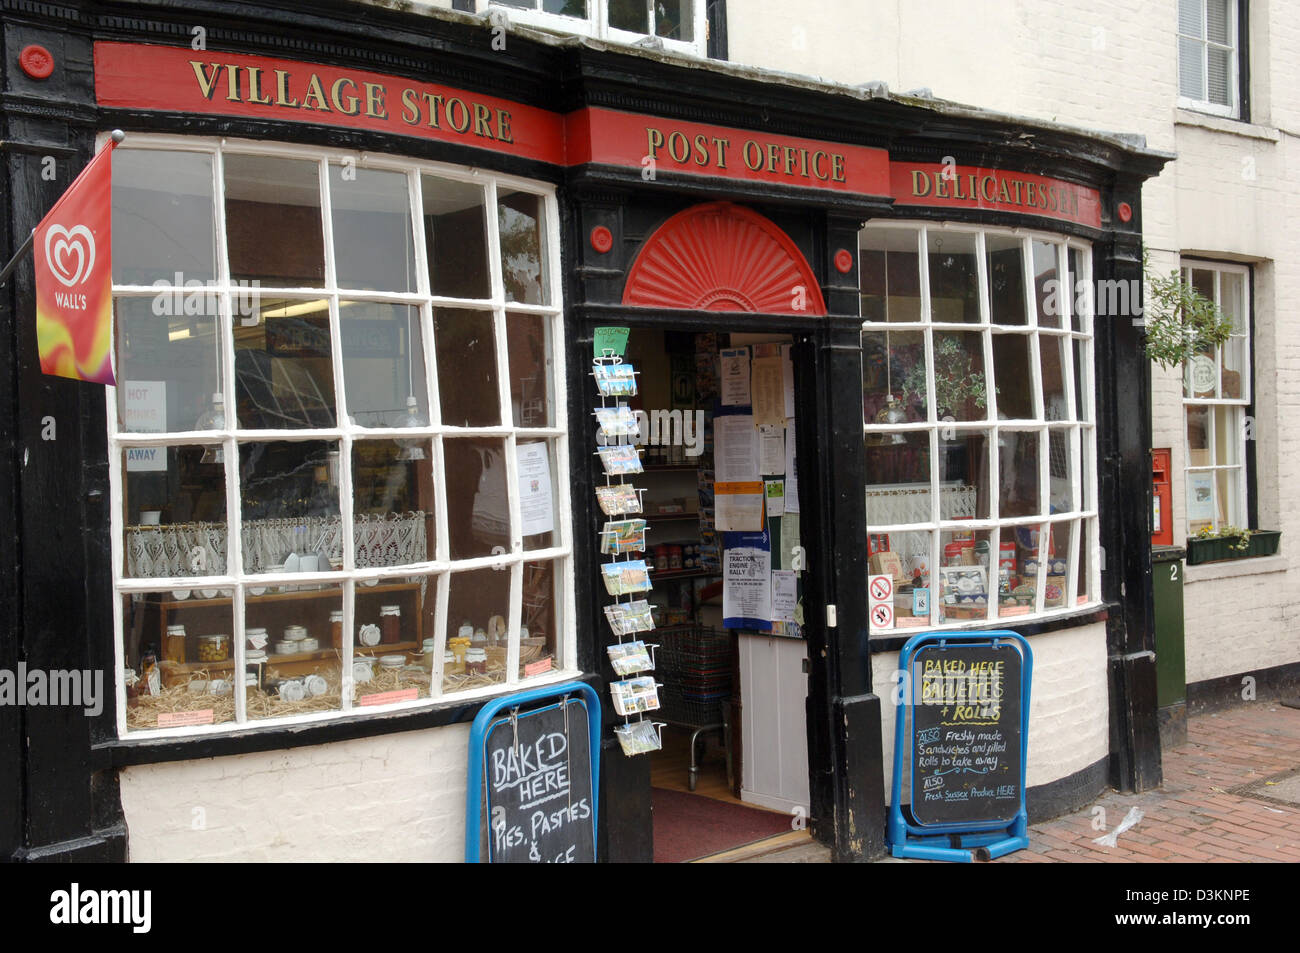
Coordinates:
(60, 798)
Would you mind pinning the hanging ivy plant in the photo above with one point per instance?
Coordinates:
(1180, 321)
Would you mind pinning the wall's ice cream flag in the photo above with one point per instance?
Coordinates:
(74, 275)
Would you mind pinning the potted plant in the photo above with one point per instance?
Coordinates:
(957, 387)
(1230, 542)
(1180, 324)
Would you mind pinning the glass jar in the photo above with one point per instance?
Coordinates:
(214, 648)
(390, 624)
(476, 662)
(336, 628)
(174, 644)
(295, 633)
(255, 639)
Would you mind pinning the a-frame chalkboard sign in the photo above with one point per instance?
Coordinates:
(534, 771)
(961, 733)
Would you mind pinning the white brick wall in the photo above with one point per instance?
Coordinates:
(397, 797)
(1068, 704)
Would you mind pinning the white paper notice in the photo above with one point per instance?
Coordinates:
(768, 399)
(792, 555)
(787, 379)
(735, 449)
(747, 584)
(536, 502)
(771, 450)
(791, 474)
(146, 412)
(733, 373)
(774, 491)
(785, 595)
(738, 507)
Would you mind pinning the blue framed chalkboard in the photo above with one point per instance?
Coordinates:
(534, 764)
(961, 731)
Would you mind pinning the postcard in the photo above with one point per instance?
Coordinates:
(618, 499)
(622, 536)
(630, 658)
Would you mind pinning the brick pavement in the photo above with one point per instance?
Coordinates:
(1195, 816)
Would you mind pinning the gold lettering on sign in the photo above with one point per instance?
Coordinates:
(206, 83)
(315, 94)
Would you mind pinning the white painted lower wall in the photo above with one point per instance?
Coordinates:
(1069, 707)
(1240, 617)
(398, 797)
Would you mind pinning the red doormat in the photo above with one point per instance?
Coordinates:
(688, 826)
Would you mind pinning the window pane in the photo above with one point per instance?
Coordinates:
(393, 502)
(532, 393)
(538, 493)
(522, 231)
(675, 19)
(290, 506)
(1061, 448)
(539, 641)
(960, 391)
(1018, 455)
(1199, 374)
(954, 277)
(1228, 497)
(893, 366)
(1232, 299)
(383, 364)
(898, 478)
(1082, 379)
(1198, 436)
(1077, 289)
(403, 612)
(167, 363)
(963, 474)
(1200, 500)
(455, 238)
(963, 575)
(1018, 569)
(1012, 377)
(1233, 367)
(1052, 352)
(890, 275)
(1227, 435)
(302, 671)
(1191, 68)
(478, 506)
(174, 510)
(1219, 78)
(568, 8)
(1216, 21)
(630, 15)
(373, 244)
(179, 660)
(1085, 562)
(1047, 286)
(284, 374)
(477, 605)
(1189, 17)
(1088, 468)
(273, 221)
(465, 344)
(1006, 279)
(162, 217)
(1203, 282)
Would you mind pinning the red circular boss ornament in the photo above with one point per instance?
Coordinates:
(1125, 212)
(36, 61)
(602, 239)
(844, 261)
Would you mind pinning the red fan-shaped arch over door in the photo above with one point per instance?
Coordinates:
(722, 257)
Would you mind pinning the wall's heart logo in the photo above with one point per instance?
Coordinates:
(62, 246)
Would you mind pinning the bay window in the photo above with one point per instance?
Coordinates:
(336, 443)
(679, 24)
(979, 422)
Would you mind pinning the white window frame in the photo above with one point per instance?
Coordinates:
(1233, 47)
(345, 433)
(1235, 406)
(1080, 426)
(596, 24)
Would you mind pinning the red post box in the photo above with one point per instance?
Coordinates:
(1162, 513)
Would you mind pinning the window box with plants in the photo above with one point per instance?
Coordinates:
(1229, 542)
